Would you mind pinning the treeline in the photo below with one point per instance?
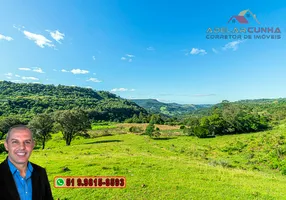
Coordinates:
(274, 109)
(154, 118)
(142, 118)
(69, 122)
(227, 118)
(170, 109)
(31, 89)
(24, 101)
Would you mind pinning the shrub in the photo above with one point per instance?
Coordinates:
(182, 127)
(156, 133)
(106, 133)
(150, 129)
(2, 148)
(201, 132)
(135, 129)
(85, 135)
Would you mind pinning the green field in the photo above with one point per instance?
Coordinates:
(173, 167)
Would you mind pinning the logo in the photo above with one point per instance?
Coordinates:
(245, 25)
(60, 182)
(242, 17)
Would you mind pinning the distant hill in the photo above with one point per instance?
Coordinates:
(170, 109)
(28, 99)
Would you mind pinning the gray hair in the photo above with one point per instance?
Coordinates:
(18, 127)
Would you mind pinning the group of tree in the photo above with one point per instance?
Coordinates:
(226, 119)
(7, 123)
(146, 118)
(44, 107)
(69, 122)
(25, 101)
(157, 119)
(151, 130)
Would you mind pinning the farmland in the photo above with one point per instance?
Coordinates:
(168, 167)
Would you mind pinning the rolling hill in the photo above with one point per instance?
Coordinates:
(28, 99)
(170, 109)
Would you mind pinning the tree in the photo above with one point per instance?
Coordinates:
(156, 119)
(214, 123)
(141, 118)
(156, 133)
(192, 121)
(200, 131)
(7, 123)
(42, 126)
(150, 129)
(72, 122)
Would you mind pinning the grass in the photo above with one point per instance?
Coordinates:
(144, 125)
(177, 167)
(102, 125)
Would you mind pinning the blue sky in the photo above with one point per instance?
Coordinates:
(145, 49)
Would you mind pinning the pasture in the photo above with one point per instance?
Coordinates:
(169, 167)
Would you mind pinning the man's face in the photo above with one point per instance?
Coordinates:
(19, 146)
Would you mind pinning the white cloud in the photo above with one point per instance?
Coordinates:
(63, 70)
(79, 71)
(9, 74)
(55, 70)
(214, 50)
(16, 75)
(40, 40)
(19, 28)
(39, 70)
(119, 90)
(93, 57)
(196, 51)
(150, 49)
(17, 81)
(130, 56)
(24, 69)
(89, 87)
(94, 73)
(30, 78)
(56, 35)
(3, 37)
(232, 45)
(95, 80)
(122, 90)
(35, 69)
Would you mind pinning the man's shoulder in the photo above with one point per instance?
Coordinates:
(4, 168)
(37, 167)
(4, 163)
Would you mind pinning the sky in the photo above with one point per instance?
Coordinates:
(143, 49)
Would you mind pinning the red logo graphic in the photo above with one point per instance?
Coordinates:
(243, 17)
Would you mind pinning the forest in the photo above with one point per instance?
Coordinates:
(30, 103)
(24, 101)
